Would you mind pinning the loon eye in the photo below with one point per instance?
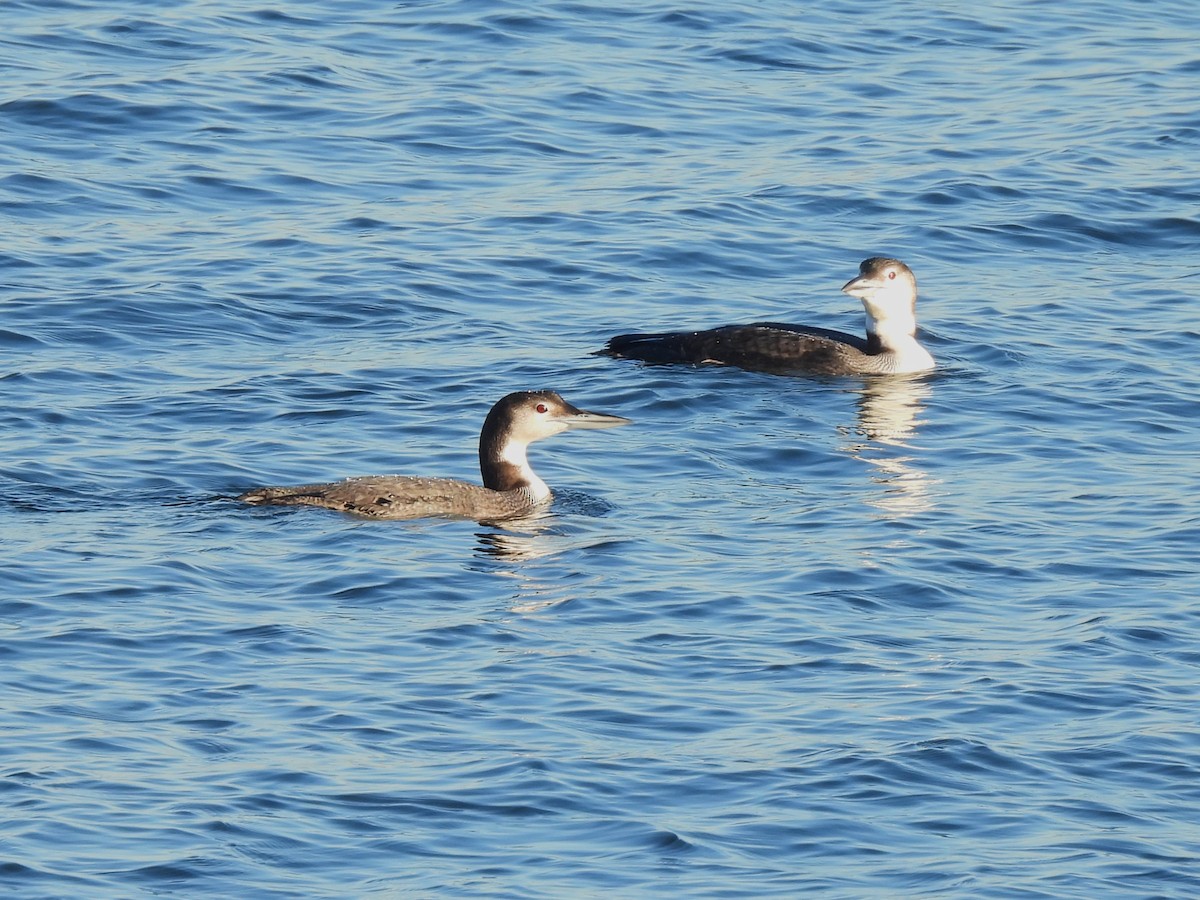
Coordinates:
(891, 274)
(542, 408)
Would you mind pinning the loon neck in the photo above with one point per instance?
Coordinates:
(506, 468)
(892, 331)
(896, 336)
(898, 353)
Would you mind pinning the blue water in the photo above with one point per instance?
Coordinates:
(930, 637)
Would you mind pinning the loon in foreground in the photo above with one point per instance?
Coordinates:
(510, 487)
(888, 291)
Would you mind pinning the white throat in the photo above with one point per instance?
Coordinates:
(897, 333)
(891, 327)
(514, 454)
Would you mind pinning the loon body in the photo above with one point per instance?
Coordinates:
(888, 291)
(510, 487)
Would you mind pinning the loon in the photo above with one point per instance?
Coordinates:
(510, 487)
(888, 290)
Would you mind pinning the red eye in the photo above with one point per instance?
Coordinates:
(541, 407)
(891, 274)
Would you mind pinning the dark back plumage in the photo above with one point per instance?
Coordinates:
(887, 289)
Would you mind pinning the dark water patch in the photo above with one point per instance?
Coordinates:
(527, 24)
(367, 224)
(316, 76)
(786, 56)
(14, 340)
(93, 114)
(277, 17)
(18, 876)
(217, 187)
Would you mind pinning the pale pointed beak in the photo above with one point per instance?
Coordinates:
(860, 285)
(583, 419)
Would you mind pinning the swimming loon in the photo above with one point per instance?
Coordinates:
(510, 487)
(888, 291)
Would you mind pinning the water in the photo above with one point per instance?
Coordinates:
(932, 637)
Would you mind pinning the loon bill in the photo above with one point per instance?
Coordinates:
(888, 291)
(510, 487)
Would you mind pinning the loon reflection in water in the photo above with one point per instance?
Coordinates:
(888, 290)
(510, 487)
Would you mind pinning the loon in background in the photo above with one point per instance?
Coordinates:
(888, 290)
(510, 487)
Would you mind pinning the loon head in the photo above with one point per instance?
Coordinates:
(888, 291)
(515, 422)
(527, 416)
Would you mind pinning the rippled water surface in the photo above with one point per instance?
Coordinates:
(783, 637)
